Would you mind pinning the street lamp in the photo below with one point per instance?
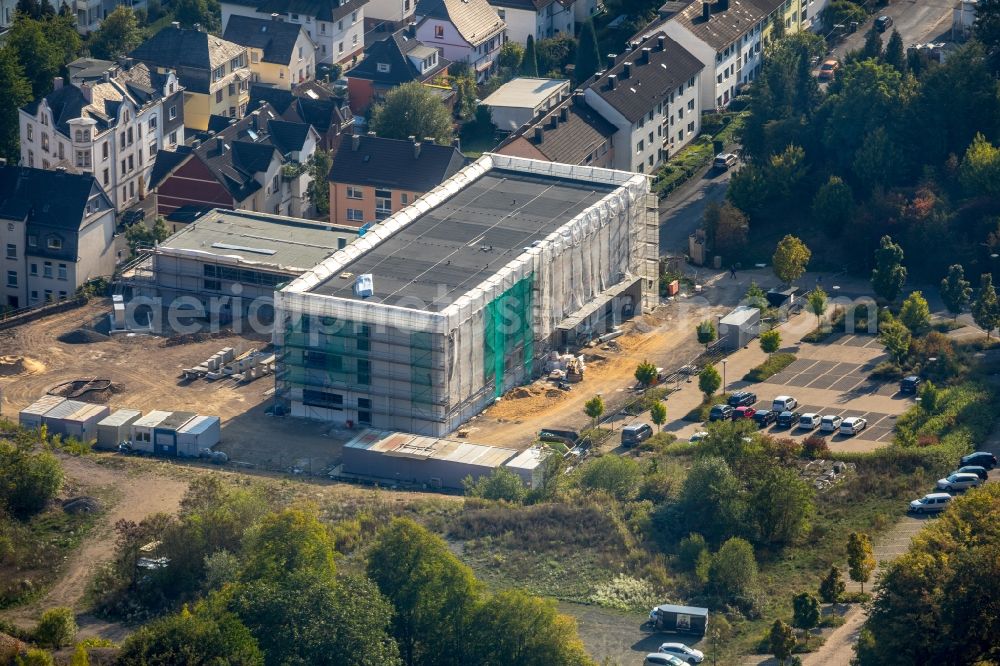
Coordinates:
(724, 376)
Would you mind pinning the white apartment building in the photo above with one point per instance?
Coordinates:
(541, 19)
(467, 31)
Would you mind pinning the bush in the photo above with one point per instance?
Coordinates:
(616, 475)
(887, 371)
(625, 593)
(500, 484)
(832, 587)
(772, 366)
(56, 629)
(700, 413)
(28, 481)
(814, 447)
(689, 550)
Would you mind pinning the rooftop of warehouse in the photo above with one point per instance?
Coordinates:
(454, 246)
(418, 447)
(287, 244)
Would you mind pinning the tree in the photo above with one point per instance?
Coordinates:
(286, 542)
(706, 333)
(616, 475)
(987, 30)
(510, 57)
(433, 593)
(860, 558)
(645, 374)
(139, 236)
(500, 484)
(873, 44)
(895, 55)
(588, 56)
(56, 628)
(817, 302)
(529, 61)
(832, 587)
(915, 313)
(658, 414)
(782, 641)
(196, 639)
(411, 109)
(28, 481)
(80, 656)
(726, 228)
(955, 290)
(790, 259)
(34, 657)
(118, 35)
(594, 408)
(833, 205)
(780, 506)
(805, 611)
(39, 58)
(979, 172)
(889, 274)
(16, 90)
(896, 338)
(755, 297)
(319, 166)
(986, 308)
(709, 381)
(197, 12)
(733, 572)
(689, 550)
(770, 341)
(465, 87)
(711, 501)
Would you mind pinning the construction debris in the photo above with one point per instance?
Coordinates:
(246, 367)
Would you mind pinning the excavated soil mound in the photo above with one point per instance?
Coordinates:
(81, 505)
(82, 336)
(19, 365)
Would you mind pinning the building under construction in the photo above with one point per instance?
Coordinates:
(437, 311)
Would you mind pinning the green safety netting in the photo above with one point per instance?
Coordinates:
(508, 330)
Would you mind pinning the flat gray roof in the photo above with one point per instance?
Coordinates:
(526, 92)
(444, 253)
(277, 243)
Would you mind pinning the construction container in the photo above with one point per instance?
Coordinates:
(142, 430)
(72, 418)
(116, 428)
(165, 432)
(201, 432)
(31, 416)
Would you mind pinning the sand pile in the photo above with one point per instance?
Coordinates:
(82, 336)
(19, 365)
(526, 400)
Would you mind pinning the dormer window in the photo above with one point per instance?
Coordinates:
(55, 243)
(383, 67)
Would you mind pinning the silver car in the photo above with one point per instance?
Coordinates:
(958, 481)
(933, 503)
(683, 652)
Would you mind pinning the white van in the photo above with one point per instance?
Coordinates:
(830, 423)
(784, 403)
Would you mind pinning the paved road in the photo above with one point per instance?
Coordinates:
(680, 213)
(918, 21)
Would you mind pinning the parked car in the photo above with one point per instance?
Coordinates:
(958, 481)
(742, 399)
(883, 23)
(852, 425)
(683, 652)
(784, 403)
(830, 423)
(931, 503)
(764, 418)
(743, 413)
(974, 469)
(980, 458)
(698, 436)
(660, 659)
(909, 384)
(828, 69)
(787, 419)
(131, 217)
(809, 421)
(636, 433)
(568, 437)
(725, 161)
(720, 413)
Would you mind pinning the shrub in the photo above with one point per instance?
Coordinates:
(887, 371)
(772, 366)
(500, 484)
(28, 481)
(832, 587)
(733, 572)
(689, 550)
(625, 593)
(616, 475)
(814, 447)
(56, 628)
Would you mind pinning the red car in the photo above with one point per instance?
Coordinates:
(743, 413)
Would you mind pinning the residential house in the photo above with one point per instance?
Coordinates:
(372, 177)
(52, 245)
(89, 13)
(335, 26)
(281, 54)
(110, 124)
(388, 14)
(539, 18)
(651, 96)
(585, 9)
(391, 62)
(467, 31)
(257, 163)
(519, 100)
(569, 133)
(310, 103)
(214, 72)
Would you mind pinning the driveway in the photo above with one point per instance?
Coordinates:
(918, 22)
(681, 212)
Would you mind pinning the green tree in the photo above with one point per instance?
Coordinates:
(594, 408)
(711, 500)
(709, 381)
(465, 87)
(843, 12)
(790, 259)
(780, 506)
(645, 374)
(895, 55)
(833, 205)
(510, 57)
(529, 61)
(955, 290)
(986, 308)
(872, 47)
(915, 313)
(896, 338)
(411, 109)
(286, 542)
(618, 476)
(118, 35)
(749, 189)
(860, 558)
(34, 657)
(205, 13)
(433, 593)
(196, 639)
(726, 229)
(805, 611)
(319, 166)
(889, 274)
(755, 297)
(733, 573)
(979, 172)
(689, 550)
(40, 59)
(28, 481)
(588, 57)
(817, 300)
(782, 641)
(56, 628)
(770, 341)
(987, 30)
(500, 484)
(80, 656)
(658, 414)
(832, 587)
(706, 333)
(16, 89)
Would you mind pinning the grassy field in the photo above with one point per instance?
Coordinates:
(774, 364)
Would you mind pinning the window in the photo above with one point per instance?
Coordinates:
(364, 371)
(152, 150)
(32, 241)
(314, 398)
(104, 150)
(33, 269)
(47, 269)
(439, 32)
(691, 105)
(34, 295)
(45, 119)
(131, 189)
(640, 146)
(172, 113)
(274, 184)
(232, 89)
(131, 163)
(11, 251)
(364, 411)
(83, 158)
(30, 132)
(48, 295)
(11, 278)
(62, 272)
(152, 122)
(124, 192)
(212, 285)
(340, 24)
(404, 198)
(355, 214)
(295, 17)
(232, 112)
(355, 192)
(354, 17)
(354, 39)
(218, 96)
(45, 142)
(173, 138)
(383, 67)
(383, 204)
(31, 158)
(281, 73)
(322, 28)
(62, 295)
(254, 57)
(340, 47)
(61, 153)
(55, 243)
(502, 13)
(300, 53)
(123, 166)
